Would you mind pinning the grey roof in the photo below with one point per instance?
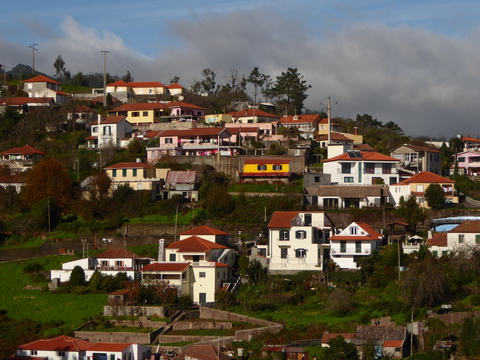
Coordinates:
(348, 191)
(181, 177)
(373, 333)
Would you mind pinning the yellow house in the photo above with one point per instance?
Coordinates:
(137, 175)
(269, 170)
(141, 113)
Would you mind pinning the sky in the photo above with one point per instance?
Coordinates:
(416, 63)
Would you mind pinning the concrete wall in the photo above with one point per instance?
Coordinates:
(187, 325)
(125, 310)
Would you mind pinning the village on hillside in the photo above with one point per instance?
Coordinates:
(209, 224)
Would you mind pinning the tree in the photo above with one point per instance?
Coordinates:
(127, 77)
(48, 179)
(258, 81)
(435, 196)
(60, 70)
(77, 277)
(338, 349)
(291, 88)
(470, 338)
(208, 83)
(411, 211)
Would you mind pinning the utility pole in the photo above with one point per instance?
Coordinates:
(105, 52)
(4, 75)
(33, 56)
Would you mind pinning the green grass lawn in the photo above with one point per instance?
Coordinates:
(68, 310)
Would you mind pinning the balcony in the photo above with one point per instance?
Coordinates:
(349, 252)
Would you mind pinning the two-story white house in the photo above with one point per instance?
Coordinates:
(298, 240)
(361, 168)
(357, 240)
(109, 262)
(110, 131)
(43, 87)
(193, 266)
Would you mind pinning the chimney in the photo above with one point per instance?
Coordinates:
(355, 130)
(139, 160)
(99, 117)
(161, 250)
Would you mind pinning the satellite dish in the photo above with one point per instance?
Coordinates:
(181, 97)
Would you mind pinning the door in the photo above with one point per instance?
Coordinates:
(203, 298)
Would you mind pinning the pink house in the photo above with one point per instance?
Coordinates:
(469, 162)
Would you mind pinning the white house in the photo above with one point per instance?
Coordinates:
(43, 87)
(109, 262)
(438, 244)
(464, 237)
(361, 168)
(357, 240)
(59, 348)
(298, 240)
(119, 351)
(207, 233)
(110, 131)
(194, 266)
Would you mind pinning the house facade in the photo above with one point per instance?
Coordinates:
(418, 184)
(269, 170)
(109, 262)
(42, 86)
(253, 116)
(415, 158)
(182, 183)
(22, 158)
(469, 162)
(307, 125)
(465, 237)
(141, 113)
(357, 240)
(298, 240)
(207, 233)
(361, 168)
(111, 131)
(59, 348)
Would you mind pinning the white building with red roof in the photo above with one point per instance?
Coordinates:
(42, 86)
(175, 89)
(194, 266)
(118, 351)
(110, 262)
(111, 131)
(298, 240)
(418, 184)
(438, 244)
(361, 168)
(252, 116)
(21, 158)
(207, 233)
(307, 125)
(463, 238)
(357, 240)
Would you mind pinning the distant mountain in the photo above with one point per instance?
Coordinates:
(25, 71)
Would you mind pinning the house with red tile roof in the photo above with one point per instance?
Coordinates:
(323, 126)
(141, 113)
(418, 184)
(42, 86)
(468, 162)
(416, 158)
(59, 348)
(438, 244)
(271, 170)
(111, 131)
(21, 158)
(207, 233)
(175, 89)
(463, 238)
(470, 143)
(110, 262)
(121, 351)
(201, 352)
(357, 240)
(193, 266)
(361, 168)
(298, 240)
(25, 104)
(307, 125)
(252, 116)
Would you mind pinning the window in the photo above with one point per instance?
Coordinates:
(348, 179)
(94, 129)
(114, 173)
(261, 167)
(461, 238)
(118, 263)
(346, 168)
(284, 235)
(435, 253)
(343, 246)
(444, 252)
(461, 159)
(173, 257)
(300, 234)
(124, 172)
(369, 168)
(134, 172)
(358, 246)
(318, 179)
(307, 220)
(420, 188)
(386, 168)
(477, 239)
(202, 274)
(33, 352)
(300, 253)
(135, 113)
(277, 167)
(107, 130)
(353, 230)
(145, 113)
(283, 253)
(139, 186)
(168, 140)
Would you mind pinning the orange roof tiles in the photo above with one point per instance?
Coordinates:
(140, 107)
(119, 253)
(22, 150)
(19, 101)
(42, 78)
(183, 105)
(204, 230)
(110, 120)
(166, 266)
(467, 227)
(118, 83)
(59, 343)
(334, 136)
(371, 234)
(139, 84)
(393, 343)
(282, 219)
(426, 177)
(175, 86)
(365, 156)
(438, 239)
(464, 138)
(194, 244)
(130, 165)
(326, 337)
(203, 352)
(296, 119)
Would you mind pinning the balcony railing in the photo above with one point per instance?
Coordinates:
(349, 252)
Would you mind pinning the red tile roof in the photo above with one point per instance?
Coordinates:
(326, 337)
(300, 119)
(181, 177)
(119, 253)
(365, 156)
(282, 219)
(175, 86)
(118, 83)
(59, 343)
(130, 165)
(22, 150)
(175, 104)
(110, 120)
(371, 234)
(41, 78)
(201, 352)
(251, 112)
(166, 266)
(393, 343)
(204, 230)
(334, 136)
(426, 177)
(215, 131)
(419, 148)
(140, 84)
(262, 161)
(438, 239)
(195, 244)
(467, 227)
(464, 138)
(19, 101)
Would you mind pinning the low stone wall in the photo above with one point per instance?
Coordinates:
(215, 314)
(456, 317)
(109, 310)
(187, 325)
(116, 337)
(142, 322)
